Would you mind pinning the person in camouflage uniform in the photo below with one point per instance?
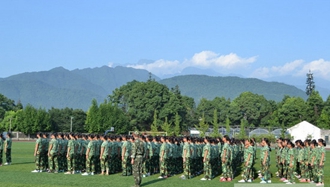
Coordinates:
(125, 153)
(248, 160)
(301, 159)
(162, 159)
(321, 158)
(61, 156)
(265, 161)
(104, 156)
(38, 152)
(150, 156)
(71, 154)
(7, 148)
(45, 144)
(284, 162)
(90, 153)
(138, 151)
(206, 160)
(186, 159)
(291, 163)
(224, 159)
(156, 154)
(53, 154)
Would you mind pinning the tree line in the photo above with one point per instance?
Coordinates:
(151, 106)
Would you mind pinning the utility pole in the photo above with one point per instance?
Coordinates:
(71, 124)
(10, 125)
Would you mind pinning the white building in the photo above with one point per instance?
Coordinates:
(304, 130)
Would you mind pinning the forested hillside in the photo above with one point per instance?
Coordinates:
(202, 86)
(62, 88)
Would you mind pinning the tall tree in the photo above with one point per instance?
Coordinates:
(203, 126)
(215, 124)
(167, 127)
(324, 120)
(310, 83)
(177, 130)
(292, 111)
(314, 107)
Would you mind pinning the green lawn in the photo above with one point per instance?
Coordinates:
(19, 174)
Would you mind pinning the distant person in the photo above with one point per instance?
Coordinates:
(1, 148)
(8, 143)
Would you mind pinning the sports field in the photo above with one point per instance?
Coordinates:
(19, 174)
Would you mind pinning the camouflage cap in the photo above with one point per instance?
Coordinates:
(136, 133)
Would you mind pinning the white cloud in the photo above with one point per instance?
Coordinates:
(110, 64)
(319, 67)
(211, 59)
(204, 59)
(160, 67)
(287, 68)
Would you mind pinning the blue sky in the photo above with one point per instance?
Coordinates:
(259, 39)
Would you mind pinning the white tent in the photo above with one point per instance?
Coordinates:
(304, 130)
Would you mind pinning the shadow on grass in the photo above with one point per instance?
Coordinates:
(152, 182)
(21, 163)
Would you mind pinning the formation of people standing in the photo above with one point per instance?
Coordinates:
(167, 156)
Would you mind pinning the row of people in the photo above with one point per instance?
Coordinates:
(304, 159)
(173, 155)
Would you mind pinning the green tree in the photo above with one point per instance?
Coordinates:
(314, 106)
(139, 100)
(253, 107)
(216, 125)
(92, 119)
(154, 125)
(167, 127)
(227, 124)
(242, 132)
(203, 126)
(177, 130)
(324, 120)
(292, 111)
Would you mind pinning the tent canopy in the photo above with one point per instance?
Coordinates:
(304, 130)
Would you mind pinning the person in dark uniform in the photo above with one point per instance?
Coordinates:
(138, 151)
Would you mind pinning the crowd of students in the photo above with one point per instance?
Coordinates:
(167, 156)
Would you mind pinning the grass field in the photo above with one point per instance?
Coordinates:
(19, 174)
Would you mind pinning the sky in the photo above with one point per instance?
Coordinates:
(261, 39)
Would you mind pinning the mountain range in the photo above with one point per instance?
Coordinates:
(61, 88)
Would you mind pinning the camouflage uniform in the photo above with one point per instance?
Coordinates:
(320, 169)
(53, 155)
(38, 158)
(247, 168)
(186, 163)
(207, 163)
(126, 165)
(265, 167)
(138, 150)
(105, 157)
(301, 161)
(8, 143)
(284, 162)
(290, 174)
(163, 157)
(45, 144)
(71, 159)
(90, 165)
